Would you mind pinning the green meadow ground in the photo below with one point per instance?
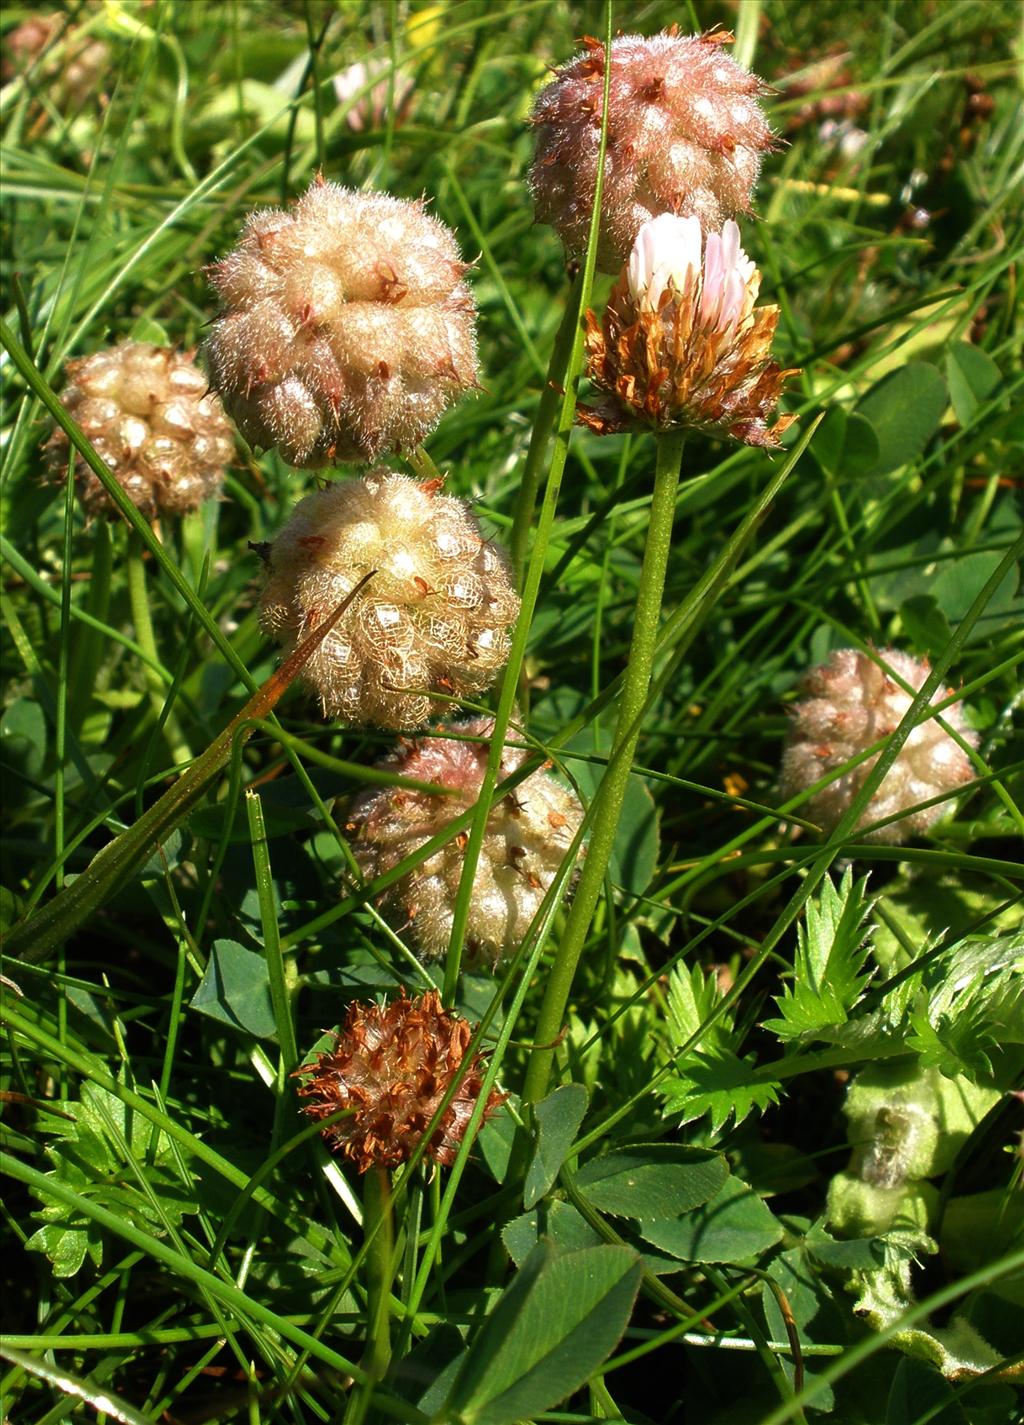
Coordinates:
(179, 1244)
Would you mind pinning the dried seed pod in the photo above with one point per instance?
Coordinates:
(390, 1068)
(434, 618)
(685, 135)
(852, 703)
(346, 329)
(148, 413)
(681, 342)
(528, 835)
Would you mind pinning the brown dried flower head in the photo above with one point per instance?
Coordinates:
(346, 329)
(851, 703)
(55, 58)
(681, 342)
(148, 412)
(528, 835)
(685, 135)
(389, 1069)
(434, 619)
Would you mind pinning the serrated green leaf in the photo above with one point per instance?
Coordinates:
(721, 1084)
(652, 1180)
(89, 1155)
(828, 970)
(549, 1332)
(558, 1118)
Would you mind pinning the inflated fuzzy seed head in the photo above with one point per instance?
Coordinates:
(434, 619)
(685, 135)
(388, 1071)
(148, 412)
(528, 835)
(346, 328)
(852, 702)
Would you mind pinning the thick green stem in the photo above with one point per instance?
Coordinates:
(612, 791)
(544, 424)
(144, 636)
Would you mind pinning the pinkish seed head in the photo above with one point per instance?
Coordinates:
(528, 836)
(346, 328)
(852, 703)
(685, 135)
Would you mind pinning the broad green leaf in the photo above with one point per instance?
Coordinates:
(568, 1231)
(959, 582)
(23, 736)
(558, 1221)
(558, 1118)
(735, 1226)
(904, 411)
(547, 1335)
(845, 444)
(925, 624)
(236, 990)
(972, 376)
(652, 1181)
(146, 329)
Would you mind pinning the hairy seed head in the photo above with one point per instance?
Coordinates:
(148, 413)
(528, 835)
(346, 328)
(852, 702)
(433, 620)
(685, 135)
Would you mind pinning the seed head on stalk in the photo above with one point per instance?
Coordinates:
(389, 1069)
(685, 135)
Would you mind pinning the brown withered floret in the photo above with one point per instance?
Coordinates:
(389, 1069)
(692, 350)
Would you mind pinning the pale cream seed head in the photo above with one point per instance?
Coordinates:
(434, 619)
(346, 329)
(148, 413)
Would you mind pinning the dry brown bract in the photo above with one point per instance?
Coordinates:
(389, 1070)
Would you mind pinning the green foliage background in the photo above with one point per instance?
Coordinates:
(181, 1247)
